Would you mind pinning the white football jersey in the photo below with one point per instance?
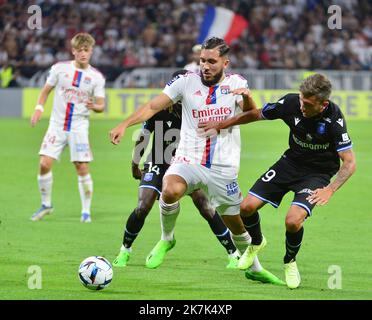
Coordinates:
(73, 88)
(202, 104)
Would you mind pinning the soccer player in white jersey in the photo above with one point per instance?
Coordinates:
(209, 163)
(79, 88)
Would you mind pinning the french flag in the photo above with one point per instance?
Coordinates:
(222, 23)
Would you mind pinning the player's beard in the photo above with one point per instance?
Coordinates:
(213, 81)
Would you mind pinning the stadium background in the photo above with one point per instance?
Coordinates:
(139, 45)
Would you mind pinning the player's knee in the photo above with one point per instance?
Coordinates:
(45, 166)
(174, 187)
(247, 208)
(170, 195)
(172, 192)
(293, 223)
(82, 168)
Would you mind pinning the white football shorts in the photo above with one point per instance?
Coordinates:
(55, 140)
(221, 186)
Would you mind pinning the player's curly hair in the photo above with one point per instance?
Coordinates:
(316, 85)
(218, 43)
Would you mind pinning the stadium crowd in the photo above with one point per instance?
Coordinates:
(286, 34)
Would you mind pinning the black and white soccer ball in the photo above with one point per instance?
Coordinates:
(95, 273)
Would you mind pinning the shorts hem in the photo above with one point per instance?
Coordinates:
(49, 155)
(302, 206)
(275, 205)
(149, 187)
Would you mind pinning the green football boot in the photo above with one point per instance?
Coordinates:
(233, 260)
(122, 259)
(264, 276)
(157, 254)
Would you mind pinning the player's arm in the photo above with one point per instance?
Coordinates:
(97, 106)
(322, 196)
(242, 118)
(144, 113)
(39, 109)
(270, 111)
(247, 103)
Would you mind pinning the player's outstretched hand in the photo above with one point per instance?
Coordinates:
(36, 117)
(320, 196)
(208, 129)
(116, 134)
(242, 91)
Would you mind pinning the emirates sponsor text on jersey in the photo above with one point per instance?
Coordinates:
(211, 114)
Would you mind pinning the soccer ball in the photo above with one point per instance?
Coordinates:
(95, 273)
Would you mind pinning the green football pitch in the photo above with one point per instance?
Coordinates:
(335, 260)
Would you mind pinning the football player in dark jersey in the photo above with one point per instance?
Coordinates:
(318, 139)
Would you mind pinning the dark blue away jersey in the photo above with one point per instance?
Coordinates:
(314, 143)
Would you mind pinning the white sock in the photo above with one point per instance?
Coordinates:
(86, 192)
(235, 254)
(45, 187)
(125, 249)
(168, 217)
(241, 242)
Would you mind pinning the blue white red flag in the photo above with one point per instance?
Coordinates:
(222, 23)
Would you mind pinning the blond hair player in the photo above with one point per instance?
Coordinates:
(79, 88)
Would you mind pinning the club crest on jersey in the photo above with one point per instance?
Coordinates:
(225, 89)
(148, 176)
(87, 80)
(321, 128)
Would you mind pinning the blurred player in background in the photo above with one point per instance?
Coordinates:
(206, 163)
(194, 66)
(79, 89)
(318, 139)
(165, 125)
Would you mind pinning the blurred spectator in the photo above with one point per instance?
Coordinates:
(9, 77)
(289, 34)
(3, 55)
(43, 58)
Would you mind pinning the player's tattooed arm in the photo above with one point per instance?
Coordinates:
(321, 196)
